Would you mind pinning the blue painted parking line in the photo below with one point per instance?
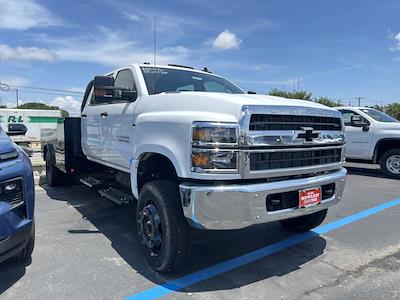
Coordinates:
(204, 274)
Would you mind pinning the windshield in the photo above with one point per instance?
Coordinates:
(159, 80)
(378, 116)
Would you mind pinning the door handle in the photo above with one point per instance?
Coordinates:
(104, 114)
(84, 116)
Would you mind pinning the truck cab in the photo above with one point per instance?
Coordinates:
(373, 137)
(194, 150)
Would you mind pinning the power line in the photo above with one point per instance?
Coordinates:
(43, 92)
(41, 89)
(47, 89)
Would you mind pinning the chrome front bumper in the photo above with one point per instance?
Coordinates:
(240, 205)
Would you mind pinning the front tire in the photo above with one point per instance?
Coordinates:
(162, 229)
(390, 163)
(26, 253)
(305, 223)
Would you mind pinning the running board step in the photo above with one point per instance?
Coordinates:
(91, 182)
(116, 196)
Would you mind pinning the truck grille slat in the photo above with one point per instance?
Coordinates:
(13, 199)
(293, 122)
(293, 159)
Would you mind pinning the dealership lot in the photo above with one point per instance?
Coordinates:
(86, 248)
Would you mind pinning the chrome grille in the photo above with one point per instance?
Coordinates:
(279, 141)
(293, 159)
(262, 122)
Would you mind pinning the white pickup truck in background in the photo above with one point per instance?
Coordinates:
(372, 137)
(194, 149)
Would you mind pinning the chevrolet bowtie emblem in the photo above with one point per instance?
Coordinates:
(308, 134)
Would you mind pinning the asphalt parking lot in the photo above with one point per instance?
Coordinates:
(86, 248)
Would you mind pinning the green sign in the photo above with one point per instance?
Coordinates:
(33, 119)
(15, 119)
(43, 119)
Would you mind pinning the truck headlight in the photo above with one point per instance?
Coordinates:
(214, 147)
(214, 159)
(215, 134)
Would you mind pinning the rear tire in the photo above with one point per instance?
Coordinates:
(163, 232)
(304, 223)
(390, 163)
(54, 176)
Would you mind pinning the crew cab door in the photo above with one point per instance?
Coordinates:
(117, 124)
(359, 139)
(90, 125)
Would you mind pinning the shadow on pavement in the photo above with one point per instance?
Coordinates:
(359, 170)
(118, 224)
(10, 273)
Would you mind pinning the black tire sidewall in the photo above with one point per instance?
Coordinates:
(49, 171)
(173, 225)
(383, 160)
(156, 262)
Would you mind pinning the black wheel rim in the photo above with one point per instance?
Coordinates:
(149, 229)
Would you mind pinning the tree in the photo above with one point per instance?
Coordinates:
(303, 95)
(3, 106)
(38, 105)
(328, 101)
(393, 110)
(377, 107)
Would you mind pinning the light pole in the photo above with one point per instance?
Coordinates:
(6, 88)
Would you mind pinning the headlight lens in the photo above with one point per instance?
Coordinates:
(215, 134)
(214, 159)
(214, 147)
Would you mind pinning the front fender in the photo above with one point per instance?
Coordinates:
(171, 154)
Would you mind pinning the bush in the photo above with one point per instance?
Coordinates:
(304, 95)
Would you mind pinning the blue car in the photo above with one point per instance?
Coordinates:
(17, 198)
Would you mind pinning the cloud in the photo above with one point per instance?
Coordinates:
(69, 104)
(226, 40)
(13, 80)
(25, 14)
(76, 89)
(397, 38)
(26, 53)
(269, 82)
(132, 17)
(112, 48)
(396, 47)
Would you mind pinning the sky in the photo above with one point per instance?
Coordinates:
(340, 49)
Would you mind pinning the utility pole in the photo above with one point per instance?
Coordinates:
(359, 100)
(16, 94)
(155, 42)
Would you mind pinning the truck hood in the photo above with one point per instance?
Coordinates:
(390, 126)
(219, 103)
(6, 145)
(249, 99)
